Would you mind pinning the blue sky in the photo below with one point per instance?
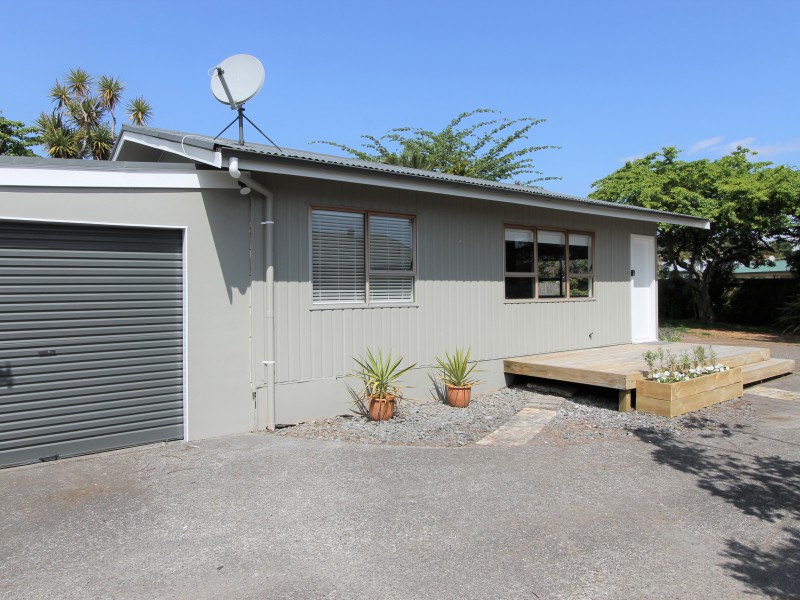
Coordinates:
(614, 79)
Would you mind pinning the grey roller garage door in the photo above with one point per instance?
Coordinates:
(91, 347)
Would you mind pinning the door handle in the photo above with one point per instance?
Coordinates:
(633, 272)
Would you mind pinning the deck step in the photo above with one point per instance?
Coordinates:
(759, 371)
(749, 356)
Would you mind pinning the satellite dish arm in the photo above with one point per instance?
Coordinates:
(221, 75)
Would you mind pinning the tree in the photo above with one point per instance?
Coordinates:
(16, 139)
(78, 126)
(748, 203)
(484, 149)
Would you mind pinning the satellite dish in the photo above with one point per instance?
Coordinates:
(234, 81)
(237, 79)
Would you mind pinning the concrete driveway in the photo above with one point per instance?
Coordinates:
(259, 516)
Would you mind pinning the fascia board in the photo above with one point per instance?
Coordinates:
(38, 177)
(205, 156)
(408, 183)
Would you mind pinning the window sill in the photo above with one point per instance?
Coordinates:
(548, 300)
(355, 306)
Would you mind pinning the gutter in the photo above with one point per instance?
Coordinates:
(263, 420)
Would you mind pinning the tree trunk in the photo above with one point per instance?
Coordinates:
(705, 307)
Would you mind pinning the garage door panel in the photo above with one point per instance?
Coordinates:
(98, 443)
(90, 343)
(99, 427)
(72, 423)
(91, 356)
(125, 401)
(31, 376)
(96, 359)
(42, 401)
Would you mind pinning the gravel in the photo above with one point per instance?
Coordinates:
(582, 414)
(422, 423)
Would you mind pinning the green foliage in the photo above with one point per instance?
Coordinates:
(789, 317)
(749, 204)
(455, 369)
(667, 367)
(16, 139)
(380, 375)
(669, 334)
(78, 126)
(485, 149)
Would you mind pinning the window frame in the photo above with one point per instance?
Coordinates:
(535, 229)
(368, 272)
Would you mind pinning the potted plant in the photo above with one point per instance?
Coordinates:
(380, 376)
(455, 371)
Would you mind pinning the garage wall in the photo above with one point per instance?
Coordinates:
(217, 272)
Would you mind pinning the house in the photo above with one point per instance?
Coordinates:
(192, 287)
(778, 269)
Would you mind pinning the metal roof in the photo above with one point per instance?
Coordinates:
(780, 266)
(313, 158)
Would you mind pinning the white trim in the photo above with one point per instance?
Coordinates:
(185, 330)
(72, 177)
(208, 157)
(83, 222)
(651, 240)
(398, 181)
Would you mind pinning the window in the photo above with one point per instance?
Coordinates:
(361, 257)
(541, 264)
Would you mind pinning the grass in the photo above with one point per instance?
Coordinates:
(684, 325)
(675, 329)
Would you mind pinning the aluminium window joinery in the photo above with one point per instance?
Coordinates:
(542, 264)
(362, 257)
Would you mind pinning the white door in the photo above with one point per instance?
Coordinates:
(644, 317)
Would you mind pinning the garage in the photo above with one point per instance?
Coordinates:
(91, 339)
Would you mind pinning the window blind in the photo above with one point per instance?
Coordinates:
(337, 257)
(390, 241)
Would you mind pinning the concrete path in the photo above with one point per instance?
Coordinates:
(524, 426)
(715, 514)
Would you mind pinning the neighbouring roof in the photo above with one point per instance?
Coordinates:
(780, 266)
(300, 162)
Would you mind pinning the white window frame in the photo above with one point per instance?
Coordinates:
(368, 272)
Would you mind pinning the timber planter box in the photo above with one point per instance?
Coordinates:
(673, 399)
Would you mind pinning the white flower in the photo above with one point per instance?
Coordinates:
(666, 373)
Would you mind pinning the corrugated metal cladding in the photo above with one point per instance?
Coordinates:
(91, 342)
(459, 289)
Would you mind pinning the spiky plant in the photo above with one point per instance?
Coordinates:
(110, 89)
(101, 140)
(79, 83)
(455, 370)
(380, 375)
(139, 111)
(83, 121)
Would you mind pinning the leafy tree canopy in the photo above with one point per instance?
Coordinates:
(749, 204)
(16, 139)
(470, 145)
(83, 122)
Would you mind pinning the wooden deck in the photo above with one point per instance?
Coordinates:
(620, 367)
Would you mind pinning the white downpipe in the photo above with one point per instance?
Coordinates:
(269, 283)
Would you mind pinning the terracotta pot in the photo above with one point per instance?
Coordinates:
(381, 409)
(459, 396)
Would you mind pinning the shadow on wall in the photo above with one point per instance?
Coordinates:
(764, 487)
(6, 378)
(229, 221)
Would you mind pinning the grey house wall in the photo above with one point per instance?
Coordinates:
(459, 293)
(217, 282)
